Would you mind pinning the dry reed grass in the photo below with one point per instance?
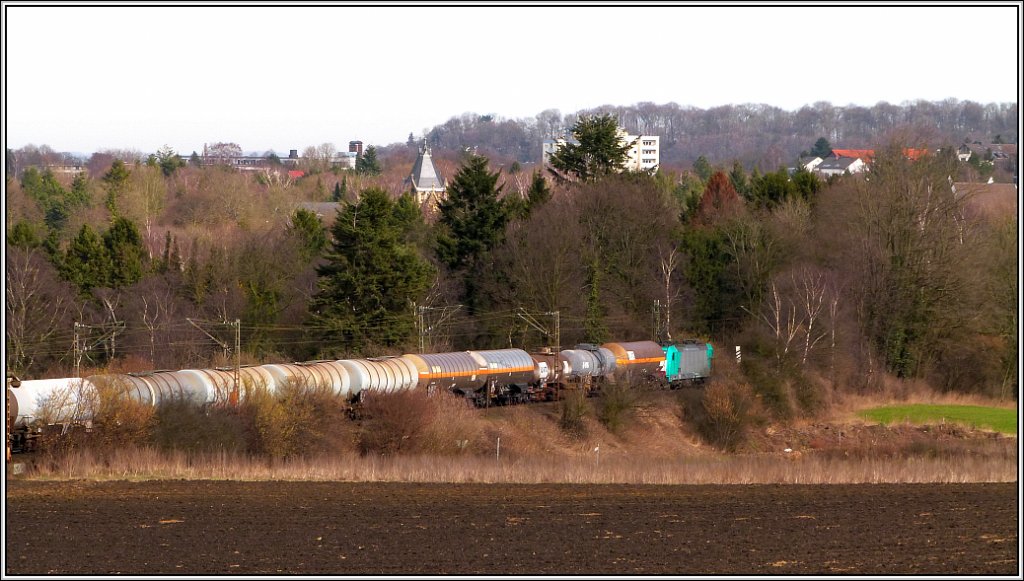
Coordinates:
(585, 466)
(453, 442)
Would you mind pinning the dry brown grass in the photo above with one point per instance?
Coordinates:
(584, 466)
(446, 440)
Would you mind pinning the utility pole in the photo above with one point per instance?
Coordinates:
(110, 331)
(656, 320)
(238, 360)
(237, 324)
(531, 319)
(78, 354)
(426, 327)
(421, 327)
(558, 330)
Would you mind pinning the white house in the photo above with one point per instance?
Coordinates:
(840, 165)
(806, 164)
(344, 159)
(964, 153)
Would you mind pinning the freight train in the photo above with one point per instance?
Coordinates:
(494, 377)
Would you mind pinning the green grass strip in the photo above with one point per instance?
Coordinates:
(998, 419)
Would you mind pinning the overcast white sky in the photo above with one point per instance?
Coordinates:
(82, 79)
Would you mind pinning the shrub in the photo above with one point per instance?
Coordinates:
(295, 421)
(271, 429)
(573, 410)
(119, 420)
(394, 422)
(182, 425)
(453, 427)
(723, 413)
(769, 385)
(618, 403)
(807, 395)
(318, 419)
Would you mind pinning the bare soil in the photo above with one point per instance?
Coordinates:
(230, 527)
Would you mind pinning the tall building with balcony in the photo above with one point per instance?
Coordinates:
(644, 153)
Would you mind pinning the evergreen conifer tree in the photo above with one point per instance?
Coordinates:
(703, 169)
(822, 148)
(116, 181)
(367, 163)
(539, 192)
(24, 236)
(599, 150)
(472, 217)
(126, 251)
(310, 233)
(370, 276)
(80, 195)
(86, 263)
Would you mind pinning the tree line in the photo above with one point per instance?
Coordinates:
(849, 279)
(756, 134)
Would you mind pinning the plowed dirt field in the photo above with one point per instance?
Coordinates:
(271, 528)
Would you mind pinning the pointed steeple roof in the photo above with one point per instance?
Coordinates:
(424, 176)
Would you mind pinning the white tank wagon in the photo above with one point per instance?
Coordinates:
(380, 374)
(52, 401)
(321, 376)
(71, 399)
(196, 386)
(216, 386)
(155, 387)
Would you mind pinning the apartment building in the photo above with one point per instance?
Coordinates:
(644, 153)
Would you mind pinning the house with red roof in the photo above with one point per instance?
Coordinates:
(867, 155)
(857, 160)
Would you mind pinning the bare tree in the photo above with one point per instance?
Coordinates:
(40, 309)
(815, 294)
(326, 151)
(779, 315)
(908, 258)
(222, 153)
(799, 312)
(669, 260)
(144, 200)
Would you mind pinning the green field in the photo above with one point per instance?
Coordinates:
(999, 419)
